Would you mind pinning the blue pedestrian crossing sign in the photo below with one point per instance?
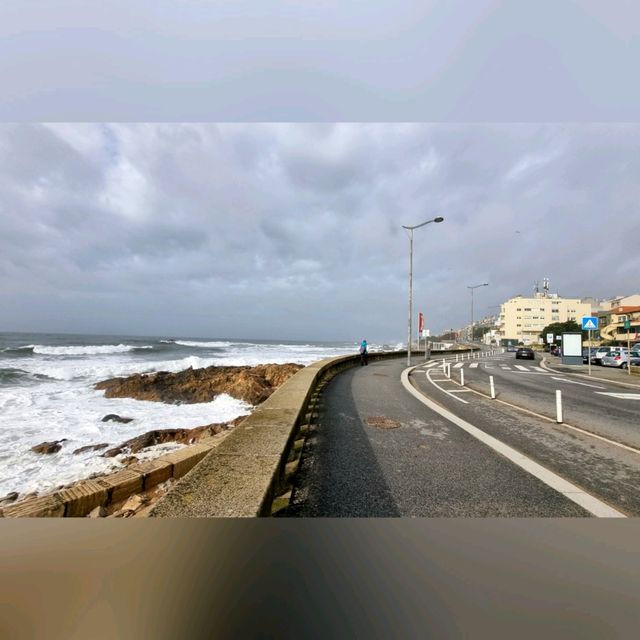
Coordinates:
(589, 323)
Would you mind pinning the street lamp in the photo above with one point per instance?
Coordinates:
(410, 230)
(475, 286)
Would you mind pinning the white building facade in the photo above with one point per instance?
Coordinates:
(522, 319)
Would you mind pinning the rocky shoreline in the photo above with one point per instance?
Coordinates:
(251, 384)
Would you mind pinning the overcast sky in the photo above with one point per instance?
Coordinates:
(294, 231)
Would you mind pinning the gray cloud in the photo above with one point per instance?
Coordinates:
(294, 231)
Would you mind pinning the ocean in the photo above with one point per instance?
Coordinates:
(46, 393)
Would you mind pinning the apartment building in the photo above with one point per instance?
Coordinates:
(522, 319)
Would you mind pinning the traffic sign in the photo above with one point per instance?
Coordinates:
(627, 324)
(549, 338)
(589, 323)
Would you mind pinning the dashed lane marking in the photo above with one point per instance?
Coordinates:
(458, 365)
(473, 365)
(520, 367)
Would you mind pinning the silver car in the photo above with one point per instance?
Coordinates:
(616, 358)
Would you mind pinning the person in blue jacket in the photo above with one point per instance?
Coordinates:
(364, 353)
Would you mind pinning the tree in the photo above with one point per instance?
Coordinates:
(558, 328)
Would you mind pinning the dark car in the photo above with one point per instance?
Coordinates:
(525, 353)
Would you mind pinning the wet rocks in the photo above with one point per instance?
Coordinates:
(91, 447)
(251, 384)
(48, 447)
(10, 498)
(161, 436)
(114, 417)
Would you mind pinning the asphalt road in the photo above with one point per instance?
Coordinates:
(607, 471)
(419, 465)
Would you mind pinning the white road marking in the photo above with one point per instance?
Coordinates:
(505, 367)
(582, 384)
(473, 365)
(458, 365)
(459, 390)
(433, 382)
(519, 366)
(556, 482)
(538, 369)
(622, 396)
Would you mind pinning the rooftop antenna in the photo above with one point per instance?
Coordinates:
(545, 286)
(536, 287)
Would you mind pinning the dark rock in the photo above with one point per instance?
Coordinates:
(48, 447)
(92, 447)
(114, 417)
(160, 436)
(251, 384)
(9, 498)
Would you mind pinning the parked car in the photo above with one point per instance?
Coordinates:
(585, 354)
(598, 354)
(634, 359)
(525, 353)
(511, 348)
(616, 358)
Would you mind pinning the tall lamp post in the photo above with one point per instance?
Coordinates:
(410, 230)
(475, 286)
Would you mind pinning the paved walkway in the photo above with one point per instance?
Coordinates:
(378, 451)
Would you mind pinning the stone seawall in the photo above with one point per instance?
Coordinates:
(249, 474)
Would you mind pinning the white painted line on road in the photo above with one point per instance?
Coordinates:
(566, 488)
(433, 382)
(506, 367)
(538, 369)
(622, 396)
(457, 366)
(473, 365)
(582, 384)
(458, 390)
(519, 366)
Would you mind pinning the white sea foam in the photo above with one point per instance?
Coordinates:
(204, 345)
(85, 350)
(59, 410)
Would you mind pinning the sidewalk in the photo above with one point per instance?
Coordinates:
(604, 374)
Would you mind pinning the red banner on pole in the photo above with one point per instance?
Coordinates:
(420, 322)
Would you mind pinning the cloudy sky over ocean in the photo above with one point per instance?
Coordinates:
(294, 230)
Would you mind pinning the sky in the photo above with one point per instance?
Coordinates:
(294, 231)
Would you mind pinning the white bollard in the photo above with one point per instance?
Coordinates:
(558, 406)
(462, 377)
(493, 388)
(443, 365)
(448, 371)
(456, 357)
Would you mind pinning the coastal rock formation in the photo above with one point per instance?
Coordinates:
(160, 436)
(251, 384)
(48, 447)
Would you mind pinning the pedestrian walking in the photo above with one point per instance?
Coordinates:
(364, 353)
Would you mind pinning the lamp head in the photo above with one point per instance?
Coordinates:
(438, 219)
